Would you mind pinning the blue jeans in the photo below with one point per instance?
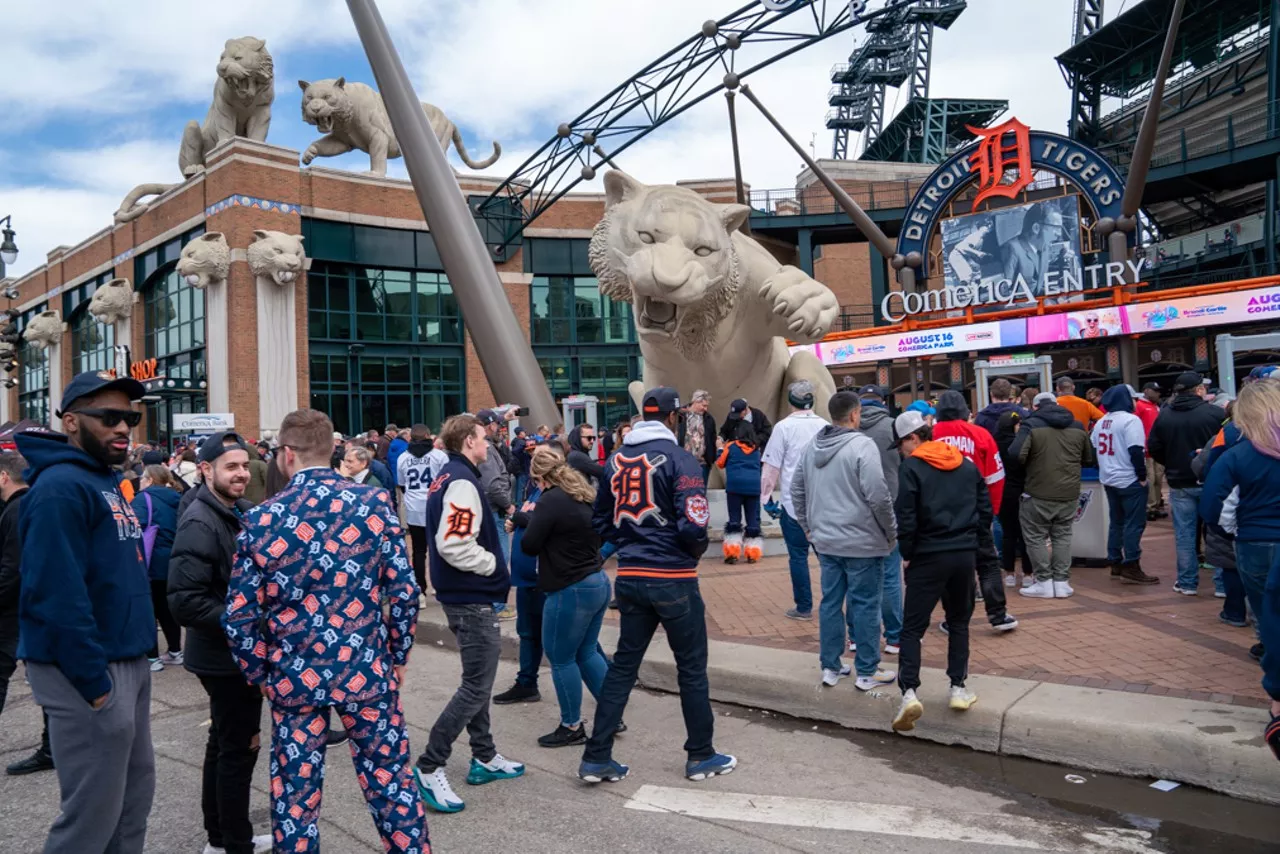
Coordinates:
(530, 602)
(522, 489)
(798, 557)
(643, 605)
(858, 579)
(738, 504)
(890, 599)
(1185, 504)
(570, 628)
(607, 551)
(1128, 506)
(1259, 568)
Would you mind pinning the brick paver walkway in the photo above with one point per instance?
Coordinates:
(1143, 639)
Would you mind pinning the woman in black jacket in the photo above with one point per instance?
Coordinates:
(1012, 546)
(559, 532)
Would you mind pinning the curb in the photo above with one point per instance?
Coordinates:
(1216, 746)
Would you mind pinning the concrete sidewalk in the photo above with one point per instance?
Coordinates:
(1214, 745)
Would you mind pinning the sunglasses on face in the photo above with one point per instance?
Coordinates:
(113, 417)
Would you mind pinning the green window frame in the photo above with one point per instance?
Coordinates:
(92, 343)
(33, 375)
(347, 302)
(604, 374)
(565, 310)
(367, 390)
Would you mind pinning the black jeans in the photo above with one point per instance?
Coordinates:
(643, 606)
(991, 582)
(941, 575)
(235, 710)
(1013, 547)
(418, 555)
(479, 643)
(168, 625)
(8, 651)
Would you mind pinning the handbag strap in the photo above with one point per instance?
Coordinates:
(151, 513)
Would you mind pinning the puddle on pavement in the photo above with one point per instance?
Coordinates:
(1187, 820)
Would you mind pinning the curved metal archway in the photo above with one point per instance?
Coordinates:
(658, 93)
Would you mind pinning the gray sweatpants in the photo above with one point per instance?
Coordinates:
(106, 768)
(1045, 521)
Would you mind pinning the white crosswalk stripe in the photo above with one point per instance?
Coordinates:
(987, 829)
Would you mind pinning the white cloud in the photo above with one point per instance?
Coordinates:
(505, 69)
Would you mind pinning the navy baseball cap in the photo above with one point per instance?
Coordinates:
(660, 401)
(487, 417)
(738, 407)
(92, 382)
(1153, 384)
(216, 445)
(872, 391)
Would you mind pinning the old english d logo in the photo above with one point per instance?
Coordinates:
(1003, 148)
(632, 486)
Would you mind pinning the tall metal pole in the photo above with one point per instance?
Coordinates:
(1273, 93)
(741, 190)
(504, 351)
(864, 223)
(1141, 162)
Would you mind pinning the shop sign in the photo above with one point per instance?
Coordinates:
(143, 370)
(203, 422)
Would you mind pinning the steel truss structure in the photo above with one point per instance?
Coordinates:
(736, 46)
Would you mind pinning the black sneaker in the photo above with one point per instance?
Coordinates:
(336, 736)
(563, 737)
(613, 604)
(622, 727)
(942, 627)
(1256, 651)
(517, 693)
(36, 762)
(1005, 624)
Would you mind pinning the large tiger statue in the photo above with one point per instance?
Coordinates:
(713, 309)
(241, 106)
(352, 115)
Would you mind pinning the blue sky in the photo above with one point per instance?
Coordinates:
(97, 93)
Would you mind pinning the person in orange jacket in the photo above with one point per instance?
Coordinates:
(740, 460)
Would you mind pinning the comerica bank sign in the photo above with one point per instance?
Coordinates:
(1010, 255)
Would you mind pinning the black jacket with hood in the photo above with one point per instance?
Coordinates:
(580, 461)
(1181, 429)
(199, 570)
(1014, 477)
(943, 503)
(10, 558)
(1053, 447)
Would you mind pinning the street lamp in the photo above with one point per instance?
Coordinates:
(8, 249)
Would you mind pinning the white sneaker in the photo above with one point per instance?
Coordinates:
(1011, 581)
(262, 844)
(1027, 580)
(962, 698)
(853, 646)
(892, 649)
(437, 792)
(1062, 590)
(908, 713)
(831, 678)
(156, 665)
(172, 658)
(1038, 590)
(880, 677)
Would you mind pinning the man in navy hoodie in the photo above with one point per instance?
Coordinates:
(653, 504)
(86, 619)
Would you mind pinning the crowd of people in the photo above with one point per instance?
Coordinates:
(278, 572)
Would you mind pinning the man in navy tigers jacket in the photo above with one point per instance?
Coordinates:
(653, 505)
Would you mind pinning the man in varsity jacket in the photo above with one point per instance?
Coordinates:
(653, 505)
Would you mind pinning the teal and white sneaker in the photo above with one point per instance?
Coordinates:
(496, 768)
(437, 792)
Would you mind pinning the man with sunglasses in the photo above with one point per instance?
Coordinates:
(86, 618)
(582, 443)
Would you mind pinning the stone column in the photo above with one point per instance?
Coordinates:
(277, 352)
(55, 383)
(216, 356)
(5, 417)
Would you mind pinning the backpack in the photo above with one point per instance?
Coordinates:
(150, 532)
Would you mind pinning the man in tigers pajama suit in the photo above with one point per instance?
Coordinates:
(306, 623)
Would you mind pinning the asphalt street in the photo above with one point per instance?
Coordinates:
(799, 787)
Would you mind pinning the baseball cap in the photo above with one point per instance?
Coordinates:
(153, 458)
(1153, 384)
(906, 424)
(1186, 381)
(92, 382)
(487, 417)
(800, 394)
(216, 445)
(338, 437)
(872, 390)
(922, 407)
(1044, 397)
(1262, 371)
(738, 407)
(661, 400)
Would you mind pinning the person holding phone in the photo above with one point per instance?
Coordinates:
(85, 617)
